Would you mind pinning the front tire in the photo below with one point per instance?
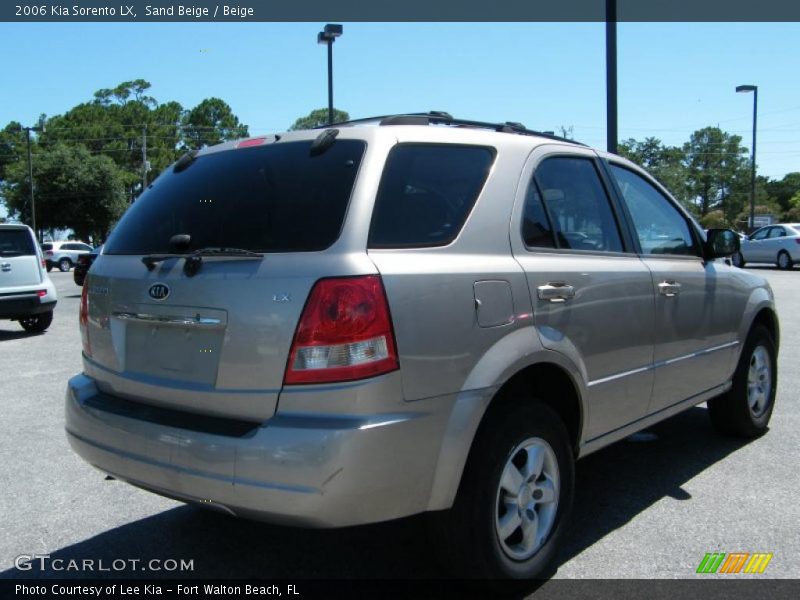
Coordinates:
(64, 265)
(738, 260)
(37, 323)
(784, 261)
(515, 496)
(745, 410)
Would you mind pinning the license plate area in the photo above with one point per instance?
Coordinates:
(179, 344)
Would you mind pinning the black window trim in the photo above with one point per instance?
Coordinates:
(621, 224)
(428, 246)
(699, 243)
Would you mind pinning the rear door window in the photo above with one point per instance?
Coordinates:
(777, 232)
(577, 205)
(270, 198)
(426, 193)
(16, 242)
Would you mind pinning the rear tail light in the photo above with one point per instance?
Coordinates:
(41, 293)
(83, 320)
(49, 253)
(344, 333)
(44, 264)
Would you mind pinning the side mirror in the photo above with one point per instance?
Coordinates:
(721, 243)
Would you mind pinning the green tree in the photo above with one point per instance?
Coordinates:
(319, 118)
(715, 219)
(717, 171)
(783, 191)
(211, 122)
(12, 146)
(123, 93)
(73, 189)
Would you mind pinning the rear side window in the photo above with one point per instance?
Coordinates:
(426, 193)
(577, 204)
(271, 198)
(16, 242)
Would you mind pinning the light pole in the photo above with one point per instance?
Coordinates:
(611, 76)
(754, 89)
(328, 36)
(39, 129)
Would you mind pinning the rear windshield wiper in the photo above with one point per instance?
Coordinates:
(195, 258)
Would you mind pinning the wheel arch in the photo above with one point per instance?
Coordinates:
(767, 317)
(547, 376)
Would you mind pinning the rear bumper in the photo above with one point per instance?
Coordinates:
(317, 470)
(23, 305)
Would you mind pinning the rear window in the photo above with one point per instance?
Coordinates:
(47, 246)
(16, 242)
(426, 193)
(272, 198)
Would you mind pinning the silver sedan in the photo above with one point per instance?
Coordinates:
(779, 244)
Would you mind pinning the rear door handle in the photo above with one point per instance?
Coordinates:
(669, 288)
(555, 292)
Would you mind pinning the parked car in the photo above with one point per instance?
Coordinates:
(64, 255)
(412, 313)
(779, 244)
(82, 266)
(26, 293)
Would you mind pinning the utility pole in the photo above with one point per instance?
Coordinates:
(39, 129)
(145, 166)
(30, 182)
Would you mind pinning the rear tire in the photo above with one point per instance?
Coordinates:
(745, 410)
(37, 323)
(64, 265)
(738, 260)
(515, 497)
(784, 261)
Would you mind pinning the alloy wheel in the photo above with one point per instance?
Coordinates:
(527, 498)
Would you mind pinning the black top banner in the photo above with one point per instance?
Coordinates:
(403, 10)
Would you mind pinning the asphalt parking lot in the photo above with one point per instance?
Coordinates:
(644, 509)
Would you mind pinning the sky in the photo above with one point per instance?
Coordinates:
(674, 78)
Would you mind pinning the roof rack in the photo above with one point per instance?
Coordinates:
(436, 117)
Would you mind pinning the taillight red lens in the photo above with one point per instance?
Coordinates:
(49, 253)
(44, 264)
(83, 320)
(345, 333)
(41, 293)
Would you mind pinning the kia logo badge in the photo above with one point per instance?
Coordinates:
(158, 291)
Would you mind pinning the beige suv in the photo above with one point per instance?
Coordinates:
(408, 314)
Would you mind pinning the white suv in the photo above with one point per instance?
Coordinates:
(26, 293)
(64, 254)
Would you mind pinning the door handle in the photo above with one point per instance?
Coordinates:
(555, 292)
(669, 288)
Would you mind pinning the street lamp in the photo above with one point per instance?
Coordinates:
(39, 129)
(328, 36)
(754, 89)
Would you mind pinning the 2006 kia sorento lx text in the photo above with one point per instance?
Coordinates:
(407, 314)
